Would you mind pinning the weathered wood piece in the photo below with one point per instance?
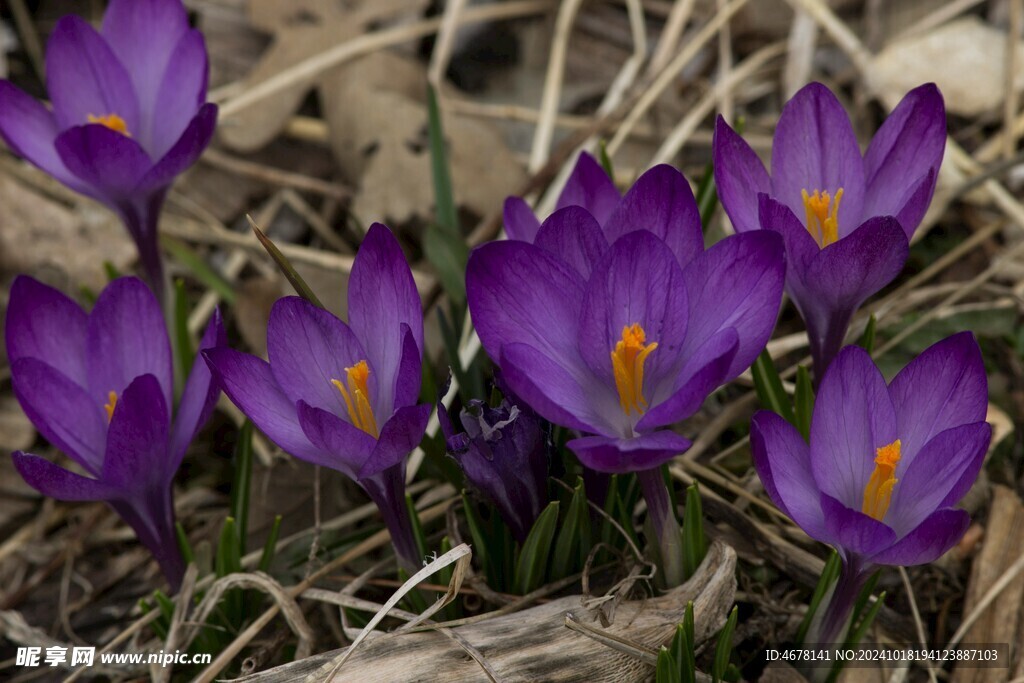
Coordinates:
(534, 644)
(1001, 622)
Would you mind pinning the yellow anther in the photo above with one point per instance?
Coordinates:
(628, 366)
(822, 216)
(111, 121)
(110, 405)
(357, 397)
(878, 492)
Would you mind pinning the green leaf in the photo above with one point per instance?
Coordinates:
(683, 647)
(533, 556)
(723, 650)
(862, 599)
(828, 577)
(575, 527)
(183, 544)
(209, 277)
(417, 527)
(240, 487)
(111, 271)
(803, 402)
(769, 388)
(182, 338)
(447, 217)
(707, 197)
(270, 547)
(667, 669)
(867, 340)
(858, 633)
(448, 254)
(228, 559)
(285, 266)
(604, 159)
(695, 545)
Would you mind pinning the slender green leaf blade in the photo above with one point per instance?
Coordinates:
(209, 277)
(444, 196)
(723, 650)
(240, 487)
(828, 577)
(695, 545)
(867, 340)
(285, 266)
(667, 669)
(533, 557)
(769, 387)
(567, 543)
(803, 402)
(270, 547)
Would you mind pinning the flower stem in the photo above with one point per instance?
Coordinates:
(833, 616)
(387, 490)
(665, 525)
(826, 338)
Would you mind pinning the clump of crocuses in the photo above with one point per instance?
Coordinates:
(129, 112)
(344, 395)
(846, 218)
(619, 330)
(99, 386)
(886, 464)
(504, 455)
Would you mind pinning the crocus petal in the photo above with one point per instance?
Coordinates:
(30, 129)
(85, 78)
(63, 412)
(736, 283)
(182, 91)
(182, 153)
(42, 322)
(801, 249)
(739, 177)
(847, 272)
(783, 462)
(340, 446)
(853, 531)
(308, 348)
(136, 455)
(126, 339)
(199, 397)
(520, 294)
(915, 201)
(637, 282)
(704, 372)
(147, 37)
(590, 187)
(815, 149)
(56, 482)
(907, 147)
(943, 387)
(250, 384)
(853, 416)
(410, 374)
(398, 437)
(619, 456)
(554, 392)
(520, 221)
(939, 476)
(573, 235)
(928, 542)
(382, 295)
(111, 164)
(660, 202)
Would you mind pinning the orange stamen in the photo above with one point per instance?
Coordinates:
(110, 405)
(357, 397)
(822, 216)
(878, 492)
(628, 367)
(113, 122)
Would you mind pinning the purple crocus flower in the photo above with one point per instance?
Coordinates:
(885, 464)
(129, 112)
(98, 386)
(846, 218)
(504, 455)
(618, 342)
(344, 395)
(588, 186)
